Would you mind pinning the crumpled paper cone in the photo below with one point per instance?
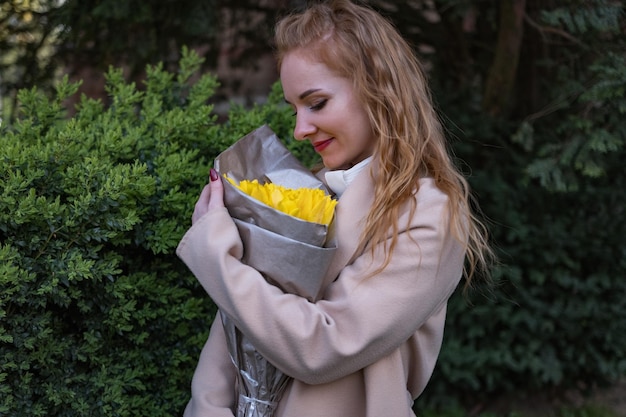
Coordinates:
(291, 253)
(260, 155)
(272, 239)
(295, 263)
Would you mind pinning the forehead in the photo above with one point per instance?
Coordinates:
(301, 63)
(300, 71)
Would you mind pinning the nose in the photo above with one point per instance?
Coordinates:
(304, 127)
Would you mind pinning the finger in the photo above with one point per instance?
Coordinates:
(216, 199)
(202, 205)
(205, 196)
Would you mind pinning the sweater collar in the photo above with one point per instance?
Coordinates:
(339, 179)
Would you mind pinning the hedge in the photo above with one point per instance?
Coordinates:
(98, 315)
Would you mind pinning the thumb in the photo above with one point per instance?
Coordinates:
(217, 190)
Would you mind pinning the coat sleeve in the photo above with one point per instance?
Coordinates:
(213, 382)
(359, 320)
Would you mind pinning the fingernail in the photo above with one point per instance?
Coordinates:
(213, 174)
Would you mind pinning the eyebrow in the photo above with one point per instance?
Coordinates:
(305, 94)
(308, 93)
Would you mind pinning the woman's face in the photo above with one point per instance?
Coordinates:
(328, 113)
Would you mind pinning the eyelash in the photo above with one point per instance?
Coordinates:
(315, 107)
(319, 106)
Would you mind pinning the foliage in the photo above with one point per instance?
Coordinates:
(101, 29)
(582, 411)
(551, 321)
(587, 411)
(97, 311)
(549, 177)
(27, 43)
(40, 38)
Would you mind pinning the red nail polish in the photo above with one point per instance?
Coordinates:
(213, 174)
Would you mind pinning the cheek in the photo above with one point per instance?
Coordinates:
(362, 127)
(359, 114)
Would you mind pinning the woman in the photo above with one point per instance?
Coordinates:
(403, 227)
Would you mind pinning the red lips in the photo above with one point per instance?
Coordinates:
(321, 145)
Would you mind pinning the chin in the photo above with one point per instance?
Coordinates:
(332, 165)
(329, 165)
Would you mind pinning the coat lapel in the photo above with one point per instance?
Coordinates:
(351, 212)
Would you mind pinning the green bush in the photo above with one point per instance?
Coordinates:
(554, 320)
(98, 317)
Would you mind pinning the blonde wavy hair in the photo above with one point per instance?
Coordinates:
(357, 43)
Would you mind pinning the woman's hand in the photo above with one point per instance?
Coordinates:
(211, 197)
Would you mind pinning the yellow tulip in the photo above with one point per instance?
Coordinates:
(309, 204)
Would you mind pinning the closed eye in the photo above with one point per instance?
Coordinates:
(315, 107)
(319, 106)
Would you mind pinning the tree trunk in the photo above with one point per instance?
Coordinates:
(500, 83)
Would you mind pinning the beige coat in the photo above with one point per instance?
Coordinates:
(367, 348)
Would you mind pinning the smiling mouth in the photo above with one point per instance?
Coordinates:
(321, 145)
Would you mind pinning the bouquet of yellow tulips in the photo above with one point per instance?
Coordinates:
(309, 204)
(284, 215)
